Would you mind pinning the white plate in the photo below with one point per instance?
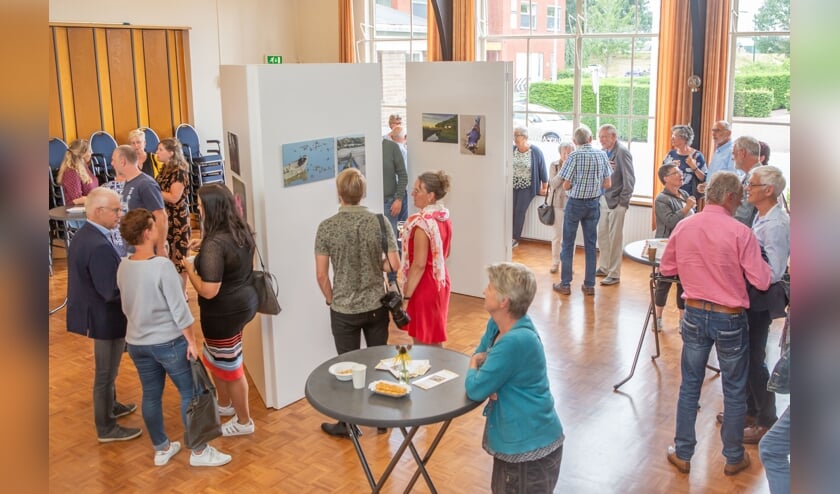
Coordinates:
(343, 371)
(406, 387)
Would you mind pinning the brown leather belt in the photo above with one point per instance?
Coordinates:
(703, 305)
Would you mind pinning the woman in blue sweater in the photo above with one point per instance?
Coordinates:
(522, 432)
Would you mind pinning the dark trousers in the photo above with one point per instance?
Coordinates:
(106, 356)
(660, 295)
(530, 477)
(347, 329)
(521, 201)
(761, 403)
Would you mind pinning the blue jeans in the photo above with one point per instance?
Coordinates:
(154, 363)
(728, 332)
(586, 213)
(521, 201)
(774, 450)
(392, 277)
(530, 477)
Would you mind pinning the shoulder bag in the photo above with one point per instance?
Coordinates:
(203, 421)
(266, 287)
(545, 211)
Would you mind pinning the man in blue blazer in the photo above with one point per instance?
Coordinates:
(94, 309)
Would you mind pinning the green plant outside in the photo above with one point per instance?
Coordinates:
(753, 103)
(778, 83)
(614, 99)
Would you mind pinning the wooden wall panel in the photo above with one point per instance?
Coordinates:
(117, 78)
(123, 88)
(55, 125)
(156, 57)
(85, 83)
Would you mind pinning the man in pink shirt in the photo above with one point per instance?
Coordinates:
(713, 253)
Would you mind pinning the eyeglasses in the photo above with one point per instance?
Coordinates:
(518, 135)
(675, 172)
(113, 210)
(749, 186)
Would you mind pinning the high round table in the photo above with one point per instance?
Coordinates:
(60, 213)
(442, 403)
(638, 252)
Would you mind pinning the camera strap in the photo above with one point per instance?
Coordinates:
(384, 241)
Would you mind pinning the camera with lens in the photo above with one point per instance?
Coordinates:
(393, 302)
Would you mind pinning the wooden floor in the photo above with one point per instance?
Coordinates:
(615, 441)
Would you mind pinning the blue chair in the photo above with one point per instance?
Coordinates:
(57, 149)
(204, 169)
(152, 139)
(58, 230)
(102, 145)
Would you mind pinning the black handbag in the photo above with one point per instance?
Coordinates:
(203, 421)
(545, 211)
(266, 287)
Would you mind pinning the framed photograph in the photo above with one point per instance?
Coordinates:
(440, 127)
(233, 150)
(472, 135)
(240, 198)
(308, 161)
(350, 153)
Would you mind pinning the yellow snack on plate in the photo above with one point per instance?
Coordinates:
(387, 388)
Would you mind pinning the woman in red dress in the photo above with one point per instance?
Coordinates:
(425, 246)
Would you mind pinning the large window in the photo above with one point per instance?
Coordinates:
(398, 35)
(590, 64)
(759, 89)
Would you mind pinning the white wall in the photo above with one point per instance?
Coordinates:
(268, 106)
(222, 32)
(479, 199)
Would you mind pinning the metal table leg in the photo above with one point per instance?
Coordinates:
(421, 464)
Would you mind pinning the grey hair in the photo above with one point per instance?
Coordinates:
(137, 133)
(566, 145)
(97, 198)
(609, 128)
(514, 282)
(773, 176)
(685, 132)
(721, 184)
(398, 131)
(583, 135)
(749, 144)
(726, 125)
(521, 130)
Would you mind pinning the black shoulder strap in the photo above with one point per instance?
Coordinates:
(383, 235)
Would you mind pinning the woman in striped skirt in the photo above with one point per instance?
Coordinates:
(221, 275)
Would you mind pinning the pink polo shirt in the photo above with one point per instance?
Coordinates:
(712, 253)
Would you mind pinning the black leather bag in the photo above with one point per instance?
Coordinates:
(545, 212)
(266, 286)
(203, 421)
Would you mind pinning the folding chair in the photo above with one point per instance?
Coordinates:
(102, 145)
(204, 169)
(58, 148)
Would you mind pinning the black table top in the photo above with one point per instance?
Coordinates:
(60, 213)
(339, 400)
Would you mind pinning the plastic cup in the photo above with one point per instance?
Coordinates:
(359, 371)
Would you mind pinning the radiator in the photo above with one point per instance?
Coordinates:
(637, 224)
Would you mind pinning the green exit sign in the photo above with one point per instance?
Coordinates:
(273, 59)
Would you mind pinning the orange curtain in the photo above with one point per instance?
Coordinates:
(463, 31)
(346, 33)
(673, 97)
(714, 73)
(433, 52)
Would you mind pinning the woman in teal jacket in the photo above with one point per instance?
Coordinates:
(522, 432)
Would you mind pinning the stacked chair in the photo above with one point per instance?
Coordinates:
(58, 229)
(152, 139)
(102, 145)
(204, 168)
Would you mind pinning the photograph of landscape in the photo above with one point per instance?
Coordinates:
(440, 127)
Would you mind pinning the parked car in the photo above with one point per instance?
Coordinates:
(543, 123)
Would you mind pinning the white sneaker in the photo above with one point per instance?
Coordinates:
(227, 411)
(233, 428)
(210, 457)
(162, 457)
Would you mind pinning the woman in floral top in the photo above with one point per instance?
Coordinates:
(174, 180)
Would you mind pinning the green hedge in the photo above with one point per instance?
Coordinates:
(778, 84)
(615, 99)
(753, 103)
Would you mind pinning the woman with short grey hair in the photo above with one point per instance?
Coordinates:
(689, 160)
(530, 178)
(523, 432)
(558, 200)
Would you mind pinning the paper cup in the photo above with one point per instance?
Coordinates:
(359, 371)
